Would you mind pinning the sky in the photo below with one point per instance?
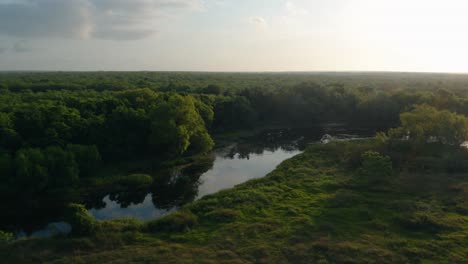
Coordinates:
(234, 35)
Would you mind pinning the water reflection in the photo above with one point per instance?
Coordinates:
(170, 190)
(144, 210)
(230, 170)
(226, 168)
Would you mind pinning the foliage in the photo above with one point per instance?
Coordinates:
(6, 166)
(375, 166)
(31, 170)
(82, 222)
(177, 124)
(135, 180)
(427, 124)
(37, 170)
(6, 237)
(232, 112)
(51, 141)
(87, 157)
(212, 89)
(58, 129)
(176, 222)
(206, 112)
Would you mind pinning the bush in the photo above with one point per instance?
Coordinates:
(82, 222)
(5, 237)
(121, 225)
(343, 198)
(426, 221)
(175, 222)
(375, 166)
(136, 180)
(223, 215)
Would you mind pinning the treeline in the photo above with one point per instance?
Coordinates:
(232, 82)
(311, 103)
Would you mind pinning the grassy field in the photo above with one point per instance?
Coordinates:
(314, 208)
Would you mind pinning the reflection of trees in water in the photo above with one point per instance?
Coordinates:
(180, 186)
(123, 196)
(273, 140)
(175, 191)
(171, 188)
(124, 199)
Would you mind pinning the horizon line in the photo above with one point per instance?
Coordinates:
(244, 72)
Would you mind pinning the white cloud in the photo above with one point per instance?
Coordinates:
(106, 19)
(259, 22)
(295, 10)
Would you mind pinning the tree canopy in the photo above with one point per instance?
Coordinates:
(426, 124)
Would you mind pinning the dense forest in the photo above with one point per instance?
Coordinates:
(57, 130)
(65, 124)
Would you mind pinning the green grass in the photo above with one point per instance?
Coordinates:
(314, 208)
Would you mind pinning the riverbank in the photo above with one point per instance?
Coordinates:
(149, 188)
(313, 207)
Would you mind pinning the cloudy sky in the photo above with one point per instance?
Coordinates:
(234, 35)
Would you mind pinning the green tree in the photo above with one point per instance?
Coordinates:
(206, 112)
(6, 168)
(234, 112)
(213, 89)
(9, 139)
(87, 158)
(46, 123)
(31, 172)
(62, 167)
(126, 132)
(176, 124)
(426, 124)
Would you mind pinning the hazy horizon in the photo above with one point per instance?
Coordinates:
(233, 72)
(234, 36)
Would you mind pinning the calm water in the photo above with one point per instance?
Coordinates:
(226, 172)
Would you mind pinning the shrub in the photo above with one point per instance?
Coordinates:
(222, 215)
(175, 222)
(426, 221)
(343, 198)
(5, 237)
(82, 222)
(135, 180)
(375, 166)
(121, 225)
